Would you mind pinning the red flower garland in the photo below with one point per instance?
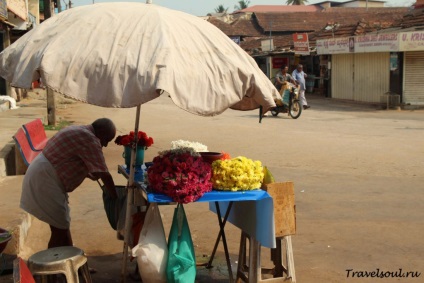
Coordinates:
(180, 174)
(143, 140)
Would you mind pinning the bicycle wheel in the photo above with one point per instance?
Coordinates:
(295, 109)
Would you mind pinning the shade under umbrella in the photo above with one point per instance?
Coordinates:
(124, 54)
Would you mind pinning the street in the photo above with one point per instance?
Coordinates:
(357, 170)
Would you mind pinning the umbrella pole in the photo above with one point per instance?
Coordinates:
(130, 198)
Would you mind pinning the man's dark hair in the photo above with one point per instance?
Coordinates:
(104, 126)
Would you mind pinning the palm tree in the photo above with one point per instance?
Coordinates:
(296, 2)
(221, 9)
(242, 5)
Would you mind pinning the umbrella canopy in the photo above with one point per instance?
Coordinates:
(126, 54)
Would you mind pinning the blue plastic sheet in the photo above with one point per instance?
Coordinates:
(252, 211)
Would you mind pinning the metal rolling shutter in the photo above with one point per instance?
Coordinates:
(372, 76)
(413, 93)
(342, 76)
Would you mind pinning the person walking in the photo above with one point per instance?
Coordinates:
(70, 156)
(299, 76)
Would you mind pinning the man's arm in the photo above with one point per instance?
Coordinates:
(108, 182)
(294, 77)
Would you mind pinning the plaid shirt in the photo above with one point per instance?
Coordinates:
(74, 152)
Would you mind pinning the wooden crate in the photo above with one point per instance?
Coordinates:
(284, 207)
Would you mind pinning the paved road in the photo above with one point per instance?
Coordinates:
(358, 175)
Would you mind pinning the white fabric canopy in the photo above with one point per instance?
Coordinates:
(123, 54)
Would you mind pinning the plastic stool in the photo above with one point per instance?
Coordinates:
(282, 259)
(64, 260)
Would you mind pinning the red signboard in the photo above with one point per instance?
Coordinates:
(278, 62)
(301, 43)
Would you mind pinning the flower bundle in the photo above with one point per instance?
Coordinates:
(180, 174)
(197, 146)
(237, 174)
(142, 139)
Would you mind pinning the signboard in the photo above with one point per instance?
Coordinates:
(333, 46)
(301, 43)
(411, 41)
(267, 44)
(18, 7)
(3, 9)
(384, 42)
(278, 62)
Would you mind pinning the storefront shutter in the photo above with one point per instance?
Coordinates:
(414, 78)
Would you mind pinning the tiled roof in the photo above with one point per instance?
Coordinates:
(280, 42)
(414, 18)
(347, 22)
(279, 9)
(246, 27)
(350, 30)
(223, 26)
(308, 22)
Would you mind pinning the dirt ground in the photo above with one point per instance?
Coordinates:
(358, 174)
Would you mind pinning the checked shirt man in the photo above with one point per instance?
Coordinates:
(70, 156)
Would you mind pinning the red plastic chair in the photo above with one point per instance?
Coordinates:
(36, 135)
(21, 273)
(28, 155)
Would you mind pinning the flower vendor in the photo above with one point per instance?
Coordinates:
(70, 156)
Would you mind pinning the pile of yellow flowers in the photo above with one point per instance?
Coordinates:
(237, 174)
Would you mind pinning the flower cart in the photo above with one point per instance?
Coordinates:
(250, 210)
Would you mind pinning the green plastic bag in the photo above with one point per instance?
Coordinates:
(114, 206)
(181, 267)
(286, 97)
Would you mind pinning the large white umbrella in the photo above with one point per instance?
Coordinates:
(122, 54)
(126, 54)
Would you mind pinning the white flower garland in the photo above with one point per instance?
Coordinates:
(197, 146)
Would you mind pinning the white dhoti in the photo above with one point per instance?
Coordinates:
(302, 97)
(43, 194)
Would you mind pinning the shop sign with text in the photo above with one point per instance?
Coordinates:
(278, 62)
(384, 42)
(411, 41)
(333, 45)
(301, 43)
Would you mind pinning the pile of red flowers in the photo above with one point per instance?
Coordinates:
(127, 140)
(180, 174)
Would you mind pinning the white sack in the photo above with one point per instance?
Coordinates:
(152, 249)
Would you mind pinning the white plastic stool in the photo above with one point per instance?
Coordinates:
(282, 257)
(64, 260)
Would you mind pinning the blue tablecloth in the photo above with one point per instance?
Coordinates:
(252, 211)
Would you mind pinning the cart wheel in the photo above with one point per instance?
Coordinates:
(274, 113)
(295, 109)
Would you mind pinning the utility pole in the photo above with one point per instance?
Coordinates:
(50, 97)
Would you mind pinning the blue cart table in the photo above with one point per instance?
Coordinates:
(251, 211)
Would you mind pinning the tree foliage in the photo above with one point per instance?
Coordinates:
(221, 9)
(242, 5)
(296, 2)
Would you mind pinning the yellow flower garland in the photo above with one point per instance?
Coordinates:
(237, 174)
